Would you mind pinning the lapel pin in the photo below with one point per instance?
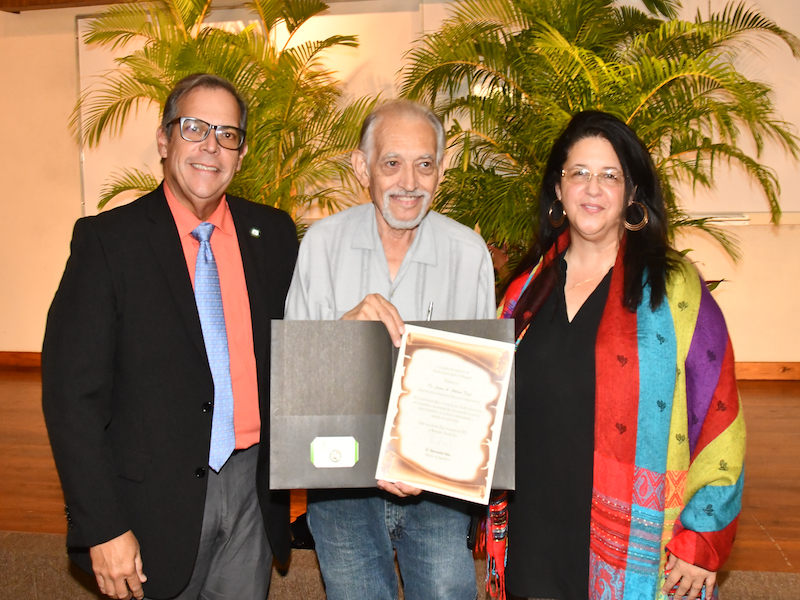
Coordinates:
(255, 232)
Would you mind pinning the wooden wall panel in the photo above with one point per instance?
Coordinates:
(756, 371)
(16, 6)
(768, 371)
(20, 360)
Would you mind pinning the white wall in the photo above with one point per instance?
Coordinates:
(759, 294)
(42, 176)
(40, 169)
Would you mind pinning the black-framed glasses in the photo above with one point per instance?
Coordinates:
(196, 130)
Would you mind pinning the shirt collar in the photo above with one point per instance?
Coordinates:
(422, 250)
(186, 221)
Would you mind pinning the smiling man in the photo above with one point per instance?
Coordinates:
(155, 371)
(391, 260)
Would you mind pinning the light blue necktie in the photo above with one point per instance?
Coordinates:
(212, 320)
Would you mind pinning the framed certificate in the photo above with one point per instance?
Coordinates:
(330, 385)
(445, 413)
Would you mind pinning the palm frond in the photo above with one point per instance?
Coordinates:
(119, 25)
(509, 74)
(270, 12)
(666, 8)
(105, 110)
(728, 241)
(299, 134)
(128, 180)
(298, 12)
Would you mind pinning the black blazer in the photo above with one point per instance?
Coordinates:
(125, 378)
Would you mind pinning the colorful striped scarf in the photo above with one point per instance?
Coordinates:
(669, 435)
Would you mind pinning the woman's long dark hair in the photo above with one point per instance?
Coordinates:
(647, 258)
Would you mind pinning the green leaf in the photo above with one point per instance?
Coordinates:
(509, 74)
(300, 132)
(128, 180)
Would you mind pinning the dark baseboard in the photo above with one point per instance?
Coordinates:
(745, 371)
(20, 360)
(769, 371)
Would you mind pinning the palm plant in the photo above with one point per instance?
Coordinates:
(298, 136)
(509, 74)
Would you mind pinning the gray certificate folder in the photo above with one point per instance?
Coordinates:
(334, 378)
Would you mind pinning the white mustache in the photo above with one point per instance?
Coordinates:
(399, 194)
(405, 194)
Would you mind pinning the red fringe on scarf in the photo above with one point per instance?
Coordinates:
(493, 540)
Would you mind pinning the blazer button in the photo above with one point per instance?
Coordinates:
(200, 473)
(207, 406)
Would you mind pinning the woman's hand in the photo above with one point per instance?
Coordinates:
(689, 578)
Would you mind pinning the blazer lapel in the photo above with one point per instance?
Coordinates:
(168, 250)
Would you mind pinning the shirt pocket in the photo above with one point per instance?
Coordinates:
(325, 313)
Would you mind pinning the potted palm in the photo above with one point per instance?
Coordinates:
(299, 134)
(509, 74)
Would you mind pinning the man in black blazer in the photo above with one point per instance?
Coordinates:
(128, 392)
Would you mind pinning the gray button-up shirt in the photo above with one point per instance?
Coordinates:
(342, 260)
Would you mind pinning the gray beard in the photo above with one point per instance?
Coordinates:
(395, 223)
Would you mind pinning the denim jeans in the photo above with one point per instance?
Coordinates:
(357, 533)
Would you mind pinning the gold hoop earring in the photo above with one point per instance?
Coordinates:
(641, 224)
(557, 223)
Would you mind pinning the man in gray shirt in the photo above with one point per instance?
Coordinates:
(390, 261)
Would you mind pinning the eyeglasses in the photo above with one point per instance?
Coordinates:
(582, 176)
(196, 130)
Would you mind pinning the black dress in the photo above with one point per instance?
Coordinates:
(548, 521)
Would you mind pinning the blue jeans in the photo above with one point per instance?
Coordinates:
(358, 531)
